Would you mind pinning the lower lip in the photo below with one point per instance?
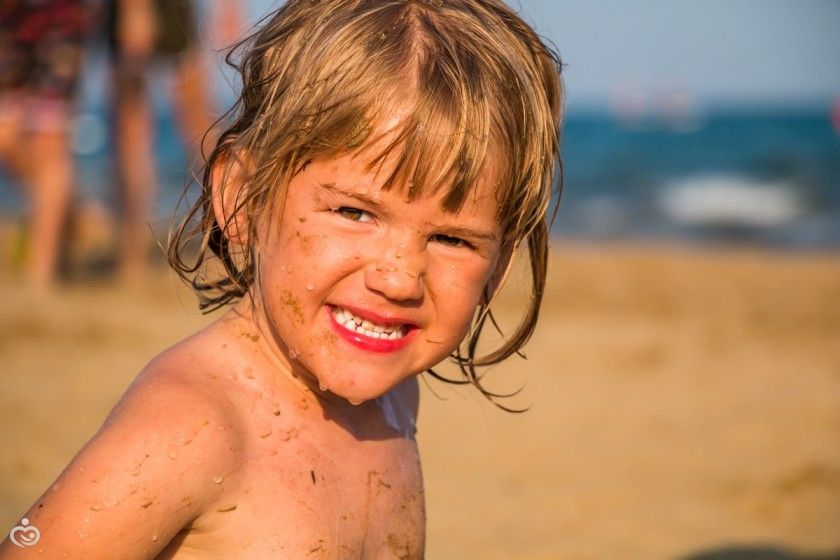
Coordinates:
(369, 343)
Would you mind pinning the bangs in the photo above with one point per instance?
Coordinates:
(451, 111)
(469, 101)
(441, 141)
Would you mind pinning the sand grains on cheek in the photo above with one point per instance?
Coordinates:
(293, 304)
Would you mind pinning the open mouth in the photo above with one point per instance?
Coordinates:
(355, 323)
(369, 333)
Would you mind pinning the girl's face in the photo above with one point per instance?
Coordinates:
(365, 289)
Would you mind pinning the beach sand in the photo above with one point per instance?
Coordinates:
(682, 402)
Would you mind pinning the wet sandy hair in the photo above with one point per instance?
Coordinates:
(478, 88)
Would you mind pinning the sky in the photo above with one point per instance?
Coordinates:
(718, 51)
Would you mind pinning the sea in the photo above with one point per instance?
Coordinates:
(725, 175)
(750, 175)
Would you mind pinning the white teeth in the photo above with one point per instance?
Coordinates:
(356, 324)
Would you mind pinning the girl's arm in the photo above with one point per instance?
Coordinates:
(143, 477)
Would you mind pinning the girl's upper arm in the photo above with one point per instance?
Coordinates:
(144, 476)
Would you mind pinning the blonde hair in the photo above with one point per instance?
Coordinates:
(480, 88)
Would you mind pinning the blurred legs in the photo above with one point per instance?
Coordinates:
(50, 185)
(41, 161)
(137, 181)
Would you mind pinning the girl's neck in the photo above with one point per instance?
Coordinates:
(247, 318)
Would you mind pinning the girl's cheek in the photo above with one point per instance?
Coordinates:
(464, 276)
(337, 252)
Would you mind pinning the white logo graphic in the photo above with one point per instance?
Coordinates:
(25, 534)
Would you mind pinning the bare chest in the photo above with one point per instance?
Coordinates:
(299, 498)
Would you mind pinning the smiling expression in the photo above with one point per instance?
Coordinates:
(361, 288)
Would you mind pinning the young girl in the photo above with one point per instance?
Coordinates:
(387, 161)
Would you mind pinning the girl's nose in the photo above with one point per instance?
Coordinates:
(397, 278)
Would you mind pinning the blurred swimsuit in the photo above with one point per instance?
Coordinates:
(41, 44)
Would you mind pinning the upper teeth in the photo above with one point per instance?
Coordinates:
(355, 323)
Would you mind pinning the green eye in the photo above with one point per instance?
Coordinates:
(450, 241)
(353, 214)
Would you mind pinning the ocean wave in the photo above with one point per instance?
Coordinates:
(727, 200)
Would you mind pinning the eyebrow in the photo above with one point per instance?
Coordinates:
(455, 231)
(350, 194)
(470, 233)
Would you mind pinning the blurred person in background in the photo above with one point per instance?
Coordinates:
(146, 36)
(41, 47)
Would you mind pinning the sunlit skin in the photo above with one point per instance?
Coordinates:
(272, 432)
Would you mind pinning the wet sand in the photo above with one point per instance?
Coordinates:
(681, 402)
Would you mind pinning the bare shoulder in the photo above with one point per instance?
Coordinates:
(175, 387)
(172, 402)
(148, 472)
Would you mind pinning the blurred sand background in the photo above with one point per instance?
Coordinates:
(683, 403)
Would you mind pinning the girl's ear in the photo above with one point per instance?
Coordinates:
(229, 176)
(500, 272)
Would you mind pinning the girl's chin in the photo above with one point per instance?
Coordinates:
(355, 394)
(357, 397)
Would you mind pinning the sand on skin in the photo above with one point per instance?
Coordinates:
(680, 402)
